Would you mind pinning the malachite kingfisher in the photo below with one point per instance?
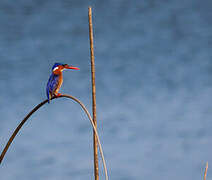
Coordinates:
(56, 79)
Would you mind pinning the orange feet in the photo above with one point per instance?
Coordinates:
(58, 94)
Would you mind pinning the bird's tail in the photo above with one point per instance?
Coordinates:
(48, 95)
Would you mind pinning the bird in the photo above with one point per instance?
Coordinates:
(56, 79)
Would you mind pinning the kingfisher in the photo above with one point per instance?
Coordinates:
(56, 79)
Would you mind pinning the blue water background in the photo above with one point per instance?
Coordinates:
(154, 88)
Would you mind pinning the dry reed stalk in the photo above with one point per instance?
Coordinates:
(40, 105)
(206, 170)
(95, 148)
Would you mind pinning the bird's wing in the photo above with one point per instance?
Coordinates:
(48, 88)
(52, 85)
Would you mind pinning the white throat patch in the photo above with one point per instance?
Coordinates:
(55, 68)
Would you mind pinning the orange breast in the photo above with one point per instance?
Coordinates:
(60, 82)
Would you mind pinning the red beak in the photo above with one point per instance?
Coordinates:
(72, 67)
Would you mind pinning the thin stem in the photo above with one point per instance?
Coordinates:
(36, 108)
(95, 148)
(206, 169)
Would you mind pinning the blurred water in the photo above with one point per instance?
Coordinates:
(153, 67)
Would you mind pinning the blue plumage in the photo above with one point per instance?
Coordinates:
(56, 65)
(52, 86)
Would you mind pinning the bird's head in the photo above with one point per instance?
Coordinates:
(58, 68)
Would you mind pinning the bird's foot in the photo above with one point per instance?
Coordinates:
(58, 94)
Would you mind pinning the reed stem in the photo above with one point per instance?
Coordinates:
(95, 147)
(206, 169)
(40, 105)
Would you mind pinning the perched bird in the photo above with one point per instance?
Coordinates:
(56, 79)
